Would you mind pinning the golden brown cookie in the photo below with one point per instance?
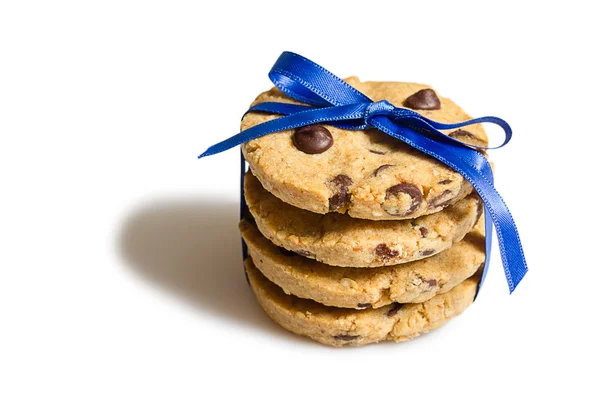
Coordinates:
(366, 174)
(340, 240)
(342, 327)
(361, 288)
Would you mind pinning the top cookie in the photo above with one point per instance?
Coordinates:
(366, 174)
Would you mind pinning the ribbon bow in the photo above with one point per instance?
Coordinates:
(335, 102)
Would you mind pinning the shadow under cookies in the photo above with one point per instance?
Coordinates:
(192, 249)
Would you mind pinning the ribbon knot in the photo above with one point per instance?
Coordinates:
(329, 99)
(380, 108)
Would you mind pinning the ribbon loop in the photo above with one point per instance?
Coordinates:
(296, 76)
(331, 100)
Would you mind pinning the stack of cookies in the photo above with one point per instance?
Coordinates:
(354, 237)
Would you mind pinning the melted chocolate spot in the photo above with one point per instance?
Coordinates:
(342, 197)
(442, 200)
(382, 168)
(425, 99)
(385, 252)
(341, 180)
(409, 189)
(364, 305)
(397, 306)
(313, 139)
(431, 282)
(424, 231)
(447, 181)
(427, 252)
(338, 200)
(377, 152)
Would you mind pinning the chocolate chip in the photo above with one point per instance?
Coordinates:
(382, 168)
(460, 134)
(425, 99)
(397, 306)
(338, 200)
(286, 252)
(447, 181)
(411, 190)
(364, 305)
(431, 282)
(385, 252)
(304, 253)
(377, 152)
(339, 183)
(442, 200)
(424, 231)
(427, 252)
(346, 337)
(313, 139)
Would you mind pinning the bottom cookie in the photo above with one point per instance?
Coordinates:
(342, 326)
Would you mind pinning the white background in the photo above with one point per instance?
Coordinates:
(121, 286)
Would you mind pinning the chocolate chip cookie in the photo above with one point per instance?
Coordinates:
(366, 174)
(361, 288)
(339, 240)
(350, 327)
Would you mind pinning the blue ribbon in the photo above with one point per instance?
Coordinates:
(331, 100)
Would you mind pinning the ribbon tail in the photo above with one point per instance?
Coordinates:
(295, 120)
(489, 230)
(308, 82)
(463, 160)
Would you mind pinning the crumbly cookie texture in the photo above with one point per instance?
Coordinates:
(349, 327)
(366, 174)
(340, 240)
(361, 288)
